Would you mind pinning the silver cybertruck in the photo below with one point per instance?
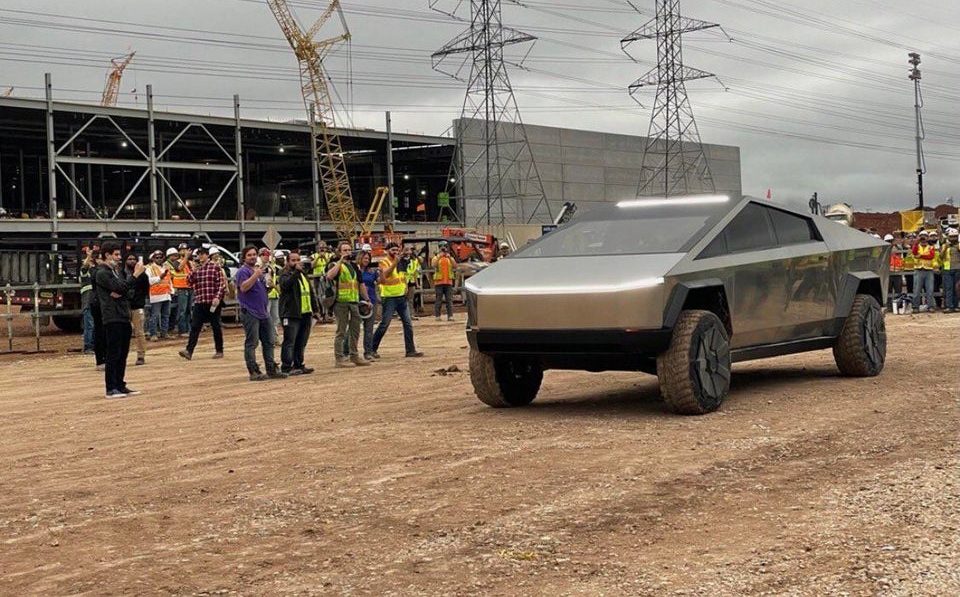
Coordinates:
(679, 288)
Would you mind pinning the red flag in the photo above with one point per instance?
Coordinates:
(769, 194)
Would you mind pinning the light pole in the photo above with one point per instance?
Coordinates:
(915, 76)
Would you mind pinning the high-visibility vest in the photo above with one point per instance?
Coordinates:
(86, 280)
(896, 262)
(306, 306)
(163, 286)
(413, 271)
(937, 259)
(274, 293)
(349, 289)
(319, 264)
(950, 256)
(393, 285)
(180, 279)
(925, 256)
(443, 270)
(909, 261)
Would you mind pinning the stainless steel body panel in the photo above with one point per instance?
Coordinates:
(608, 292)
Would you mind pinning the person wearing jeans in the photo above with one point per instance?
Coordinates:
(86, 300)
(160, 291)
(298, 308)
(255, 314)
(209, 286)
(925, 254)
(393, 293)
(140, 289)
(178, 263)
(443, 274)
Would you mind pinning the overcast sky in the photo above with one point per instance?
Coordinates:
(816, 96)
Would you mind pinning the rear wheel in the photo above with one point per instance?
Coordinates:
(861, 348)
(502, 381)
(694, 372)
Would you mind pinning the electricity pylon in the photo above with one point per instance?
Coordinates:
(674, 162)
(310, 54)
(494, 168)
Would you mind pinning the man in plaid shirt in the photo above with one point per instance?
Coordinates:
(209, 285)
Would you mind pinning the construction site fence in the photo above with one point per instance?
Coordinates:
(37, 314)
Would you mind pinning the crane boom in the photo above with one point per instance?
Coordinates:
(319, 104)
(112, 89)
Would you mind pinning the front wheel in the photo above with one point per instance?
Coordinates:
(861, 348)
(502, 381)
(694, 372)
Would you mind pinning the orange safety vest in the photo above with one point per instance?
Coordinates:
(180, 279)
(163, 286)
(444, 270)
(896, 262)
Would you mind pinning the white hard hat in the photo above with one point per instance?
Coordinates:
(278, 254)
(214, 251)
(953, 232)
(172, 251)
(924, 233)
(888, 237)
(505, 244)
(875, 235)
(366, 247)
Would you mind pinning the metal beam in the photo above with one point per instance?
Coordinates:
(238, 148)
(51, 161)
(152, 153)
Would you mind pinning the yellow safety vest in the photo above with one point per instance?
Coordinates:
(925, 251)
(319, 264)
(413, 271)
(305, 306)
(394, 285)
(349, 290)
(274, 293)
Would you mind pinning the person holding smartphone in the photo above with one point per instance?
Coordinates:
(209, 285)
(345, 272)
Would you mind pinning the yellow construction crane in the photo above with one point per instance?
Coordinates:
(374, 214)
(310, 54)
(112, 89)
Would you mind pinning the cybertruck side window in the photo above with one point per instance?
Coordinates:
(750, 230)
(792, 229)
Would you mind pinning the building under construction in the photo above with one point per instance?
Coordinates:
(135, 171)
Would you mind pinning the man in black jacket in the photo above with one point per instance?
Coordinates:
(298, 307)
(114, 292)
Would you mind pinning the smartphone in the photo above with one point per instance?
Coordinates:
(140, 260)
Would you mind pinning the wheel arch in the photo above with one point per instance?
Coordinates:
(855, 283)
(709, 295)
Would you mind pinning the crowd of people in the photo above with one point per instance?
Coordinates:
(923, 266)
(138, 299)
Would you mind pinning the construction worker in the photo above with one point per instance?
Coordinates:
(320, 259)
(934, 240)
(412, 273)
(271, 275)
(140, 287)
(209, 285)
(161, 292)
(925, 254)
(393, 294)
(950, 257)
(178, 264)
(444, 268)
(298, 308)
(896, 272)
(345, 273)
(86, 299)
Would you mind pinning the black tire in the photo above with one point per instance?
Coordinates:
(861, 348)
(68, 323)
(694, 372)
(503, 382)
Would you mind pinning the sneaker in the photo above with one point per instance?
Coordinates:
(306, 370)
(343, 364)
(185, 354)
(375, 355)
(101, 367)
(258, 376)
(218, 355)
(293, 372)
(415, 354)
(130, 392)
(450, 318)
(360, 361)
(140, 361)
(114, 394)
(276, 374)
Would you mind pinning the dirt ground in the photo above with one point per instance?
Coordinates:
(395, 480)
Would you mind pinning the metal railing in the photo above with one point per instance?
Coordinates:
(36, 314)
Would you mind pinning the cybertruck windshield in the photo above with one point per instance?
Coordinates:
(640, 227)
